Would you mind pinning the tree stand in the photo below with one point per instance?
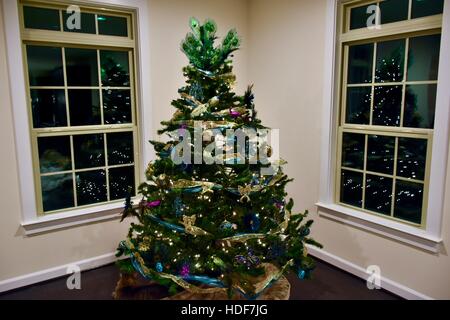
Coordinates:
(134, 287)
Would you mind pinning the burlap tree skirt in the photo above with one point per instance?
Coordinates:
(134, 287)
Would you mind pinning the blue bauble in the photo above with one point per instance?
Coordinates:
(178, 206)
(306, 232)
(159, 267)
(252, 222)
(301, 274)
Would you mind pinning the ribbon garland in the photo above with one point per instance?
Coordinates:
(217, 285)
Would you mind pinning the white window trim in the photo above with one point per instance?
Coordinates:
(31, 222)
(430, 237)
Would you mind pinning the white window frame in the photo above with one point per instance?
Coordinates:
(31, 221)
(428, 238)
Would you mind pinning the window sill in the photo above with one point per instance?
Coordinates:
(73, 218)
(387, 228)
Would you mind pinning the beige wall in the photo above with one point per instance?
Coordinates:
(283, 54)
(286, 63)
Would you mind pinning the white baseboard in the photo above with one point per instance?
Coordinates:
(360, 272)
(56, 272)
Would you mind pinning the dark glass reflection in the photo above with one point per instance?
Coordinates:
(120, 148)
(420, 105)
(387, 106)
(115, 68)
(91, 187)
(89, 151)
(49, 108)
(423, 8)
(393, 10)
(84, 107)
(121, 182)
(45, 67)
(353, 145)
(358, 105)
(408, 201)
(423, 58)
(117, 106)
(57, 192)
(82, 67)
(112, 26)
(378, 195)
(351, 188)
(360, 61)
(87, 22)
(358, 17)
(411, 158)
(41, 18)
(54, 154)
(380, 154)
(390, 61)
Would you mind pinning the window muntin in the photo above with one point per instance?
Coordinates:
(393, 11)
(387, 112)
(82, 111)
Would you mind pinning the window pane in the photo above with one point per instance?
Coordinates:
(112, 26)
(420, 105)
(423, 58)
(358, 17)
(411, 159)
(82, 67)
(387, 106)
(115, 68)
(87, 22)
(351, 188)
(49, 108)
(45, 67)
(121, 182)
(390, 61)
(57, 192)
(378, 195)
(394, 10)
(408, 201)
(84, 107)
(89, 151)
(41, 18)
(380, 154)
(353, 150)
(360, 63)
(91, 187)
(120, 148)
(54, 154)
(423, 8)
(358, 105)
(117, 106)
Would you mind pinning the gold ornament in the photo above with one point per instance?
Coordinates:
(189, 226)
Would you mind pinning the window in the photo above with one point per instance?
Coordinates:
(82, 104)
(387, 107)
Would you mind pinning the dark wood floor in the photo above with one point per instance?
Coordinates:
(329, 283)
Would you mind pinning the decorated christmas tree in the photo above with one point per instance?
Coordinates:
(213, 214)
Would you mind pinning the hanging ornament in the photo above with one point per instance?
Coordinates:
(235, 114)
(301, 273)
(255, 180)
(305, 232)
(153, 204)
(159, 267)
(252, 222)
(249, 260)
(178, 206)
(185, 270)
(227, 226)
